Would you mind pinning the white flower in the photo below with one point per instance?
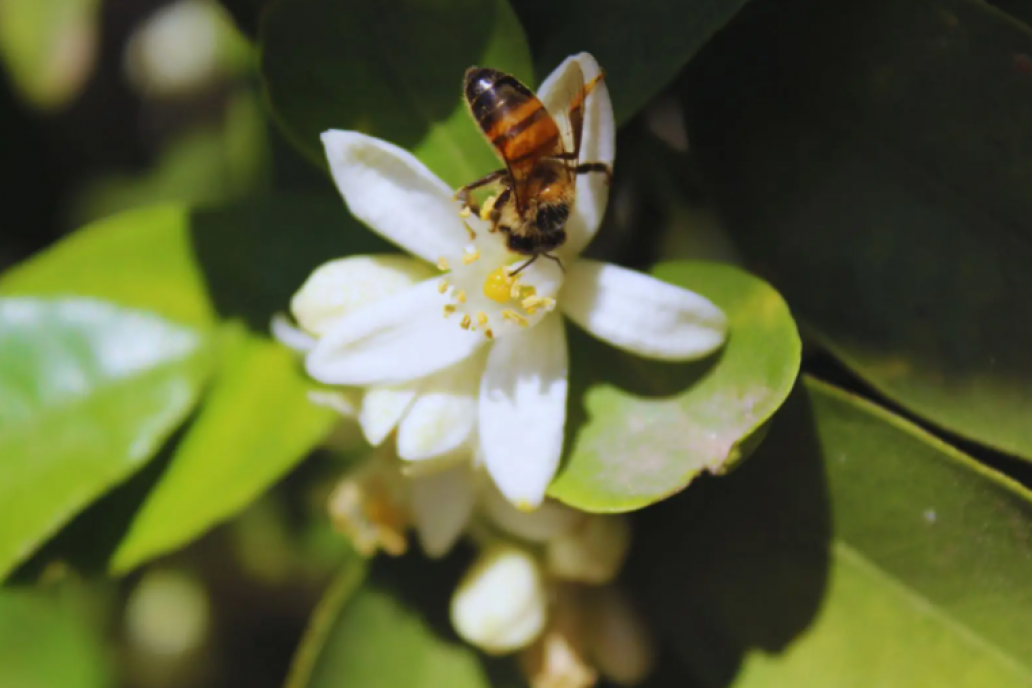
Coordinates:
(477, 353)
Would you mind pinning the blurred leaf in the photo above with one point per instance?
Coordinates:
(217, 269)
(389, 69)
(641, 48)
(88, 393)
(253, 428)
(852, 549)
(376, 638)
(876, 164)
(49, 48)
(651, 427)
(207, 165)
(45, 644)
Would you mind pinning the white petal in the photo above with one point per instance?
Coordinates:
(441, 506)
(382, 409)
(641, 314)
(289, 335)
(549, 521)
(444, 413)
(501, 603)
(343, 286)
(401, 338)
(395, 194)
(523, 411)
(598, 143)
(341, 401)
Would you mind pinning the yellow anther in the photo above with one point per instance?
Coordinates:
(532, 303)
(498, 285)
(481, 318)
(442, 264)
(485, 211)
(515, 317)
(469, 230)
(442, 286)
(488, 333)
(465, 212)
(466, 322)
(449, 308)
(470, 257)
(460, 296)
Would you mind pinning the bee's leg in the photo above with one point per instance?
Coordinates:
(495, 216)
(587, 167)
(557, 261)
(535, 257)
(463, 194)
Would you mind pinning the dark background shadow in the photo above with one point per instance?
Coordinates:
(739, 562)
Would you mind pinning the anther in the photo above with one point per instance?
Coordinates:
(469, 230)
(442, 286)
(466, 322)
(515, 317)
(460, 296)
(442, 264)
(488, 333)
(488, 207)
(470, 256)
(481, 318)
(449, 308)
(465, 212)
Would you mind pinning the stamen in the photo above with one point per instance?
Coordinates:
(515, 317)
(466, 322)
(470, 256)
(481, 318)
(442, 286)
(465, 212)
(488, 333)
(442, 264)
(469, 230)
(532, 303)
(460, 296)
(449, 308)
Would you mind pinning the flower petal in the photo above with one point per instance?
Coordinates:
(641, 314)
(343, 286)
(523, 411)
(342, 401)
(401, 338)
(382, 409)
(443, 414)
(441, 506)
(395, 194)
(290, 335)
(598, 142)
(551, 520)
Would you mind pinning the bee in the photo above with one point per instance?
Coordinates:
(538, 183)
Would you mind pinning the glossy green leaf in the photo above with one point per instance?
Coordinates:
(88, 393)
(642, 48)
(876, 166)
(215, 269)
(255, 426)
(390, 69)
(853, 549)
(44, 643)
(650, 428)
(49, 48)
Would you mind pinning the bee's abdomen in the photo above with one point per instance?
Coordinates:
(513, 119)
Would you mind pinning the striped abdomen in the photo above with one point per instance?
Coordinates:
(513, 119)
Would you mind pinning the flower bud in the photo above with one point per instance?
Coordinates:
(591, 553)
(548, 521)
(618, 641)
(501, 604)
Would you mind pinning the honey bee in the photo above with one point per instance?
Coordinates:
(539, 180)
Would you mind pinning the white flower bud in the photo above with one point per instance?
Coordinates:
(501, 604)
(342, 286)
(618, 642)
(591, 553)
(548, 521)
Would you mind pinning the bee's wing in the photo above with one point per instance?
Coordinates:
(566, 105)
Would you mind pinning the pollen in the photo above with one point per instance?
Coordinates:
(442, 264)
(442, 286)
(488, 208)
(515, 317)
(466, 322)
(533, 302)
(470, 256)
(449, 308)
(481, 318)
(488, 333)
(465, 212)
(498, 285)
(460, 296)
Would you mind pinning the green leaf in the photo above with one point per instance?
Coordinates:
(652, 427)
(44, 643)
(884, 190)
(216, 269)
(389, 69)
(641, 48)
(379, 636)
(49, 48)
(852, 549)
(255, 426)
(88, 393)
